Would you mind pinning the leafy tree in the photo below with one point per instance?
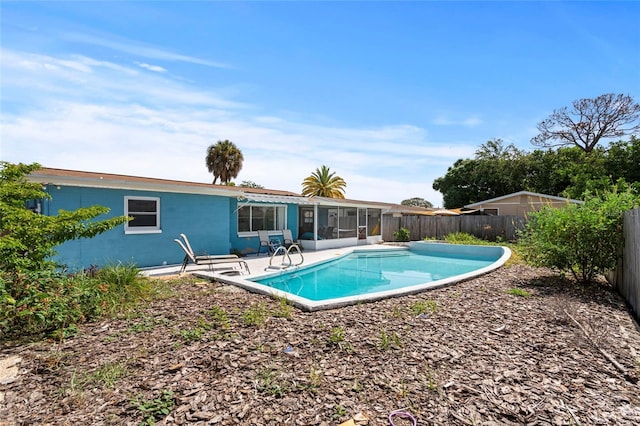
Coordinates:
(224, 160)
(496, 170)
(416, 202)
(566, 171)
(589, 122)
(323, 183)
(623, 160)
(27, 238)
(250, 184)
(581, 239)
(549, 171)
(458, 186)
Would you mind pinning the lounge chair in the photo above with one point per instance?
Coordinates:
(287, 238)
(265, 241)
(206, 259)
(328, 233)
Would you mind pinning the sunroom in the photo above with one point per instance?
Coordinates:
(331, 223)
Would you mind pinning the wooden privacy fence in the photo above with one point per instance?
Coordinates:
(626, 277)
(485, 227)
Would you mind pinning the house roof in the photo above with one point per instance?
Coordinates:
(346, 202)
(527, 193)
(270, 198)
(64, 177)
(409, 210)
(115, 181)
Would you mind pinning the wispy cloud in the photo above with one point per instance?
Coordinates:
(96, 115)
(134, 48)
(154, 68)
(472, 121)
(45, 78)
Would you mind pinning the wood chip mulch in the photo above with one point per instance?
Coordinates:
(468, 354)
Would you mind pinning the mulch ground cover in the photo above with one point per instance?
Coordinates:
(516, 346)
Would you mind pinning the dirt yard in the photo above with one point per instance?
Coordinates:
(516, 346)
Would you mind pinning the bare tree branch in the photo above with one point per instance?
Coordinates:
(590, 121)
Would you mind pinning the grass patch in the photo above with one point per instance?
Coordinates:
(108, 374)
(518, 292)
(285, 310)
(255, 315)
(157, 408)
(105, 376)
(220, 318)
(389, 340)
(464, 238)
(147, 323)
(424, 307)
(123, 287)
(337, 335)
(193, 334)
(269, 381)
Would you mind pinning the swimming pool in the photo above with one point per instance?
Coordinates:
(369, 274)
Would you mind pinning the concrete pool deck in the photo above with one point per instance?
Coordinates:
(258, 264)
(259, 267)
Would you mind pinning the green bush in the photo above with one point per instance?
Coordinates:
(584, 240)
(50, 301)
(45, 301)
(464, 238)
(35, 295)
(401, 234)
(28, 238)
(123, 286)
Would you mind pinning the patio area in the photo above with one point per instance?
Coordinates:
(258, 265)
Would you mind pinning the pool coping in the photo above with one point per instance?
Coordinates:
(243, 281)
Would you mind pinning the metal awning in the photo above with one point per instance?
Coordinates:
(282, 199)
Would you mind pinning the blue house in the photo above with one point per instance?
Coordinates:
(217, 219)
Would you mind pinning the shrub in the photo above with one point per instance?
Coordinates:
(464, 238)
(28, 238)
(45, 301)
(401, 234)
(35, 296)
(52, 301)
(584, 240)
(122, 286)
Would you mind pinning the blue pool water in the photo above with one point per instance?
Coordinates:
(371, 272)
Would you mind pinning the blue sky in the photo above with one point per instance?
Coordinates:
(387, 94)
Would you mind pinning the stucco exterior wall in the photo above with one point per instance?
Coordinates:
(204, 219)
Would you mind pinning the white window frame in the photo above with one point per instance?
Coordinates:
(142, 229)
(253, 232)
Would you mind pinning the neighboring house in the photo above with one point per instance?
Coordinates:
(400, 210)
(519, 204)
(217, 219)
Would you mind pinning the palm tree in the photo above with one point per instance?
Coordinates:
(224, 160)
(323, 184)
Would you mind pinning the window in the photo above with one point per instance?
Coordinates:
(308, 216)
(373, 221)
(490, 212)
(254, 217)
(34, 205)
(145, 212)
(347, 222)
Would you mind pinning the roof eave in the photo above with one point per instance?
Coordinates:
(99, 182)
